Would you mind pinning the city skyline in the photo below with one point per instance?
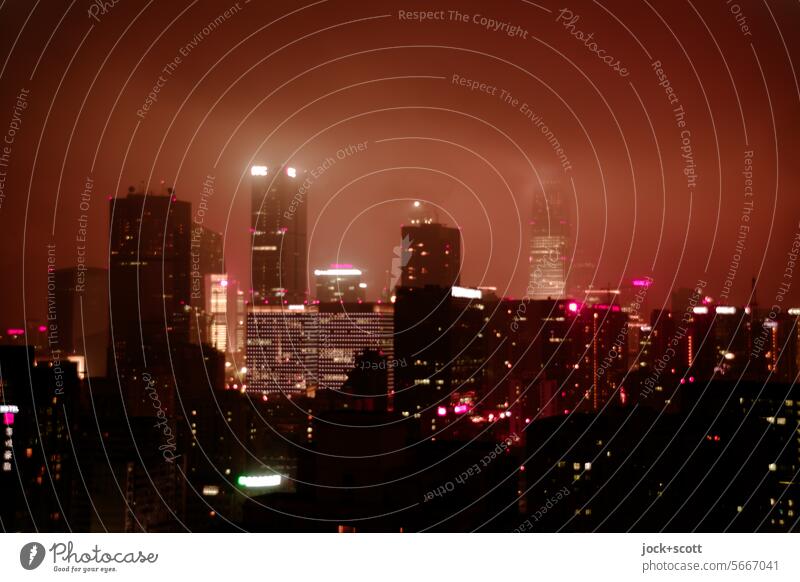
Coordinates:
(387, 268)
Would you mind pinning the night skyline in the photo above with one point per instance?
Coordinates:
(115, 147)
(400, 267)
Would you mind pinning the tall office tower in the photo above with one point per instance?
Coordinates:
(150, 288)
(305, 348)
(216, 310)
(435, 254)
(84, 340)
(549, 240)
(278, 226)
(339, 283)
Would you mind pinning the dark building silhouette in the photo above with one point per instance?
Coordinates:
(87, 290)
(435, 255)
(278, 229)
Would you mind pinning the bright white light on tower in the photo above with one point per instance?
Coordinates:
(336, 272)
(291, 172)
(466, 293)
(258, 171)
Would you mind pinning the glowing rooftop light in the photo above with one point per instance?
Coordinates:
(466, 293)
(702, 310)
(336, 272)
(258, 171)
(291, 172)
(725, 310)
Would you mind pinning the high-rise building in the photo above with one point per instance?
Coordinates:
(435, 255)
(278, 227)
(339, 283)
(150, 291)
(304, 348)
(549, 240)
(149, 266)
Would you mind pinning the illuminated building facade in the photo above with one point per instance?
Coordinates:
(216, 308)
(549, 237)
(300, 349)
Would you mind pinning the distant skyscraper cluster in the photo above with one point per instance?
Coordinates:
(215, 383)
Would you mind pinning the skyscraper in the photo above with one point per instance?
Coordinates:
(278, 225)
(435, 254)
(150, 288)
(549, 238)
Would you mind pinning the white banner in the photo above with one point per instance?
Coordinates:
(369, 557)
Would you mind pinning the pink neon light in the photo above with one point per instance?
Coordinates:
(341, 266)
(573, 307)
(461, 409)
(15, 331)
(441, 411)
(642, 282)
(8, 418)
(42, 328)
